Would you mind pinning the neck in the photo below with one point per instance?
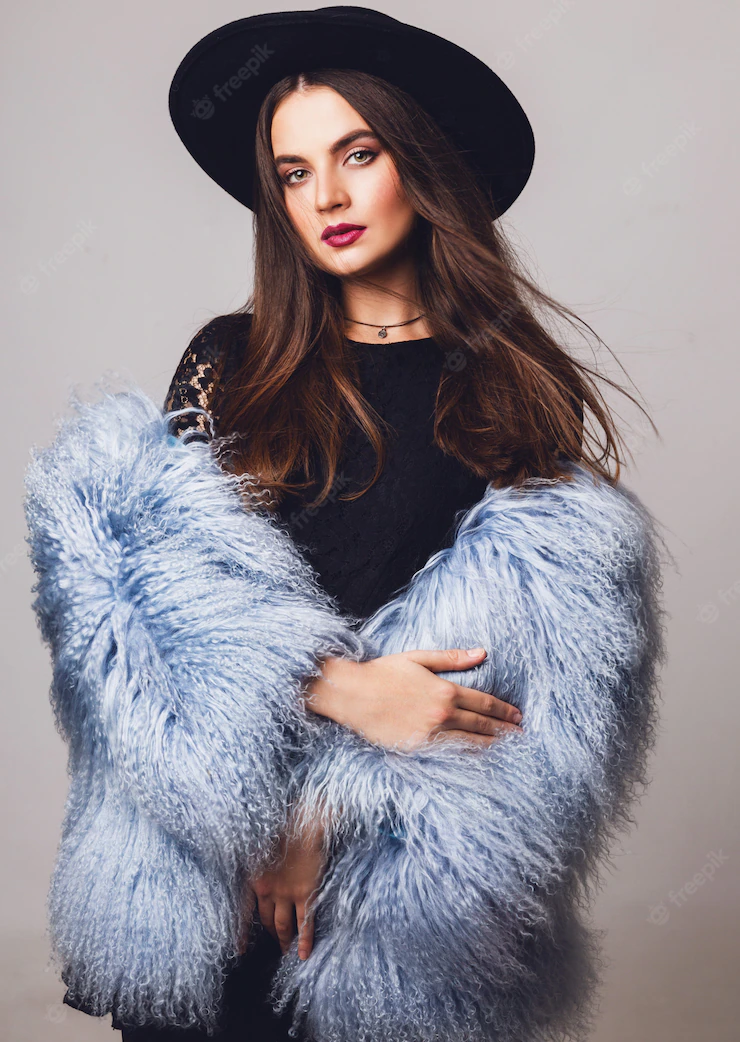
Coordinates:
(384, 297)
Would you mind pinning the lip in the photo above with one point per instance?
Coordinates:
(342, 234)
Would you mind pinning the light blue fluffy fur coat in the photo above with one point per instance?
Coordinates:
(183, 625)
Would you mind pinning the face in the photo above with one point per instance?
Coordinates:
(336, 172)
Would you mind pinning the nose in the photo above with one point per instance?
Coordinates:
(330, 192)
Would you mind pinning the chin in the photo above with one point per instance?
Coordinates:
(364, 264)
(349, 265)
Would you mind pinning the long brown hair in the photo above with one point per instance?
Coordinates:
(511, 401)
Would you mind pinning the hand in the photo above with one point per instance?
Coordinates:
(397, 700)
(283, 894)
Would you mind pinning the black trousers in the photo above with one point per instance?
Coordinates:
(247, 1016)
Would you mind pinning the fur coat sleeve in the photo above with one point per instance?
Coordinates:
(183, 625)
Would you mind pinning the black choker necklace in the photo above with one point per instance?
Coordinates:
(383, 331)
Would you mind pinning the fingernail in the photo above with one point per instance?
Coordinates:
(517, 716)
(475, 651)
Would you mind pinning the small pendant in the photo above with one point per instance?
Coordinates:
(383, 332)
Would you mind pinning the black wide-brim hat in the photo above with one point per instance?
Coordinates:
(220, 84)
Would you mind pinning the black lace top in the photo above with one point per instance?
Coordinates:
(366, 549)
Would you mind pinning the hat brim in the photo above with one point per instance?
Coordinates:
(218, 89)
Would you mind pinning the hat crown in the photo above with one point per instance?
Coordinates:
(361, 14)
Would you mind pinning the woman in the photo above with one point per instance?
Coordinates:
(384, 295)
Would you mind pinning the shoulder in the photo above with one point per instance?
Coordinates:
(581, 523)
(211, 351)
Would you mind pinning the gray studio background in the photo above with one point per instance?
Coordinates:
(116, 247)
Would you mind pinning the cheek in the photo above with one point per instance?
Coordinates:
(386, 201)
(303, 219)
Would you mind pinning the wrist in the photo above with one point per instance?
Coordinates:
(325, 694)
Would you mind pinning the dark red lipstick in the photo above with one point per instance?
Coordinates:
(342, 234)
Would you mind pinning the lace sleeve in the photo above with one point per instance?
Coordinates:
(194, 382)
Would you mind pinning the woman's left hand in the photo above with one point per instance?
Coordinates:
(283, 894)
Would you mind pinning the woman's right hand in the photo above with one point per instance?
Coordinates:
(397, 700)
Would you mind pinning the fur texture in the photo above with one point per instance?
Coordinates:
(452, 908)
(182, 627)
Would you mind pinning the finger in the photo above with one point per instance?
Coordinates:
(305, 931)
(266, 909)
(464, 720)
(284, 923)
(489, 705)
(447, 659)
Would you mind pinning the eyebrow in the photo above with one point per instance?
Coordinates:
(342, 142)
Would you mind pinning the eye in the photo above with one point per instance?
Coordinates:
(355, 152)
(364, 151)
(290, 173)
